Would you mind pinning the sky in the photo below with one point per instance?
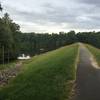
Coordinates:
(54, 15)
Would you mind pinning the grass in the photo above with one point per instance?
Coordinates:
(12, 64)
(95, 52)
(47, 77)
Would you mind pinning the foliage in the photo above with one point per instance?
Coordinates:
(1, 7)
(92, 38)
(8, 30)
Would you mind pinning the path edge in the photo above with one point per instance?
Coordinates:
(72, 94)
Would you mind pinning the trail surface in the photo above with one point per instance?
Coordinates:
(88, 77)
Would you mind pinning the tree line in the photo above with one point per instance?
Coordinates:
(13, 42)
(36, 43)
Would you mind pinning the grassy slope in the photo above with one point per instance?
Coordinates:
(95, 52)
(47, 77)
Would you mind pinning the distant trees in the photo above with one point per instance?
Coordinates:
(32, 43)
(92, 38)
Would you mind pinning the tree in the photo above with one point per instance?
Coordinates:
(8, 31)
(1, 7)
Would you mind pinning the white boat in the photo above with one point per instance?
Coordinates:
(23, 57)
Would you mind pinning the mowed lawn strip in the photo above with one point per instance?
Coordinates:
(95, 52)
(48, 77)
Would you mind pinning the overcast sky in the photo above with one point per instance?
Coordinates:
(54, 15)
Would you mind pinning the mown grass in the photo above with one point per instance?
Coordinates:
(48, 77)
(95, 52)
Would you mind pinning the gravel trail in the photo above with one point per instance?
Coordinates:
(88, 77)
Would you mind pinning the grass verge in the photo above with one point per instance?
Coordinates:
(95, 52)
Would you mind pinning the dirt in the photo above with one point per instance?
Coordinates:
(88, 77)
(7, 74)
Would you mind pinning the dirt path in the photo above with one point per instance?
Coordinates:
(88, 77)
(9, 73)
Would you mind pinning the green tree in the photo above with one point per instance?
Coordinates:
(1, 7)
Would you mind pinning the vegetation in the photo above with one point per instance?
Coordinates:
(48, 77)
(8, 43)
(92, 38)
(95, 52)
(9, 65)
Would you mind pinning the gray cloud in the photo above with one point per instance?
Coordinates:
(49, 15)
(94, 2)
